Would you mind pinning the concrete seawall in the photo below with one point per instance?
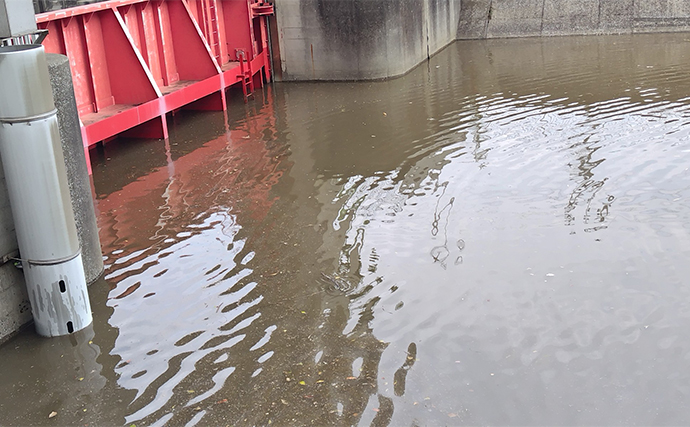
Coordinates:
(521, 18)
(361, 40)
(366, 39)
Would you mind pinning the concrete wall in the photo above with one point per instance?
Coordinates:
(75, 165)
(374, 39)
(15, 309)
(361, 39)
(519, 18)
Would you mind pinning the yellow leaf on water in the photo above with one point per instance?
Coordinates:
(302, 383)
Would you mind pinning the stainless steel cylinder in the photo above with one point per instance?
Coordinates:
(36, 180)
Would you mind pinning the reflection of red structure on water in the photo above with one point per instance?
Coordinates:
(233, 173)
(130, 68)
(177, 240)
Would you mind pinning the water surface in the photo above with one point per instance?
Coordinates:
(499, 237)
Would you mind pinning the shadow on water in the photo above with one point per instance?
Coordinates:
(499, 237)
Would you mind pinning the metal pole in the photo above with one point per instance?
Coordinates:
(270, 49)
(34, 168)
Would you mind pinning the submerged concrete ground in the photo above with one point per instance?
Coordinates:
(499, 237)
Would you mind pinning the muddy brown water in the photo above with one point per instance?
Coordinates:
(499, 237)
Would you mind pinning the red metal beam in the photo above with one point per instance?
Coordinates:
(130, 68)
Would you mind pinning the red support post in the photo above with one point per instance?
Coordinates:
(150, 36)
(77, 52)
(100, 80)
(165, 50)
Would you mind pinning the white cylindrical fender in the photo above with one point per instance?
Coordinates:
(36, 180)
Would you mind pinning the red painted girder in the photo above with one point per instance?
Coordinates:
(82, 10)
(119, 118)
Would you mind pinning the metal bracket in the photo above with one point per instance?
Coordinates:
(12, 256)
(34, 37)
(40, 262)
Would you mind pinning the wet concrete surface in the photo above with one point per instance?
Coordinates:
(499, 237)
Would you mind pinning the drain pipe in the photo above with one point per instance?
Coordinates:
(34, 168)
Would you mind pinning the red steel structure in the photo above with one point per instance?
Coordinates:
(134, 61)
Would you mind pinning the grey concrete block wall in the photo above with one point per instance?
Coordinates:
(661, 15)
(514, 18)
(524, 18)
(373, 39)
(361, 39)
(561, 16)
(473, 19)
(616, 16)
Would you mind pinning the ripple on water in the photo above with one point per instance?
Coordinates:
(515, 232)
(589, 196)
